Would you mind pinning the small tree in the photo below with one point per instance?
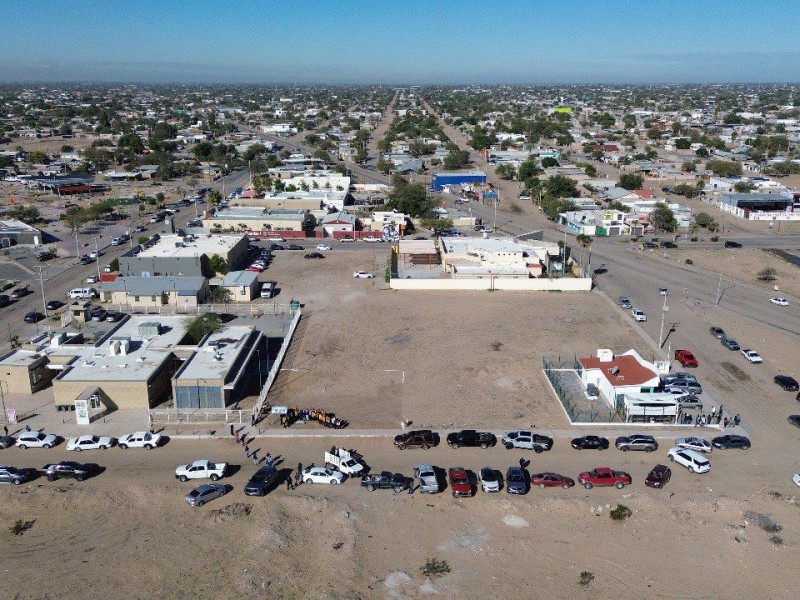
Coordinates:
(220, 295)
(200, 326)
(143, 239)
(767, 274)
(663, 218)
(114, 265)
(631, 181)
(218, 264)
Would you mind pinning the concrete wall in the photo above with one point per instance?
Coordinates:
(123, 394)
(542, 285)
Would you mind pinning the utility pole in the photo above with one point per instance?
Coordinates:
(97, 257)
(41, 281)
(719, 288)
(664, 310)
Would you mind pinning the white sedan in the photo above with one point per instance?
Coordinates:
(36, 439)
(323, 247)
(371, 239)
(779, 301)
(363, 275)
(322, 475)
(695, 443)
(796, 478)
(91, 279)
(90, 442)
(140, 439)
(752, 356)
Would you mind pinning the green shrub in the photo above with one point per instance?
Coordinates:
(621, 513)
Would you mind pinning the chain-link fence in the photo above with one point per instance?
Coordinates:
(564, 375)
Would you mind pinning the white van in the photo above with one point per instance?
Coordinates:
(694, 461)
(83, 293)
(267, 289)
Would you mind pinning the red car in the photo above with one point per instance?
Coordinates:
(658, 477)
(459, 483)
(604, 476)
(544, 480)
(686, 358)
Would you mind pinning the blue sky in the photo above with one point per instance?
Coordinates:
(384, 41)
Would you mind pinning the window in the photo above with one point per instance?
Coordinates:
(136, 298)
(153, 298)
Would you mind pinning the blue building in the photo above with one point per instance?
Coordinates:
(457, 178)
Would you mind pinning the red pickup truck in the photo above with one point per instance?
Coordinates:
(604, 476)
(686, 358)
(459, 483)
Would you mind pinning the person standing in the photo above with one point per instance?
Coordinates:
(268, 459)
(231, 428)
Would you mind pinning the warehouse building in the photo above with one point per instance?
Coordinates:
(14, 232)
(457, 178)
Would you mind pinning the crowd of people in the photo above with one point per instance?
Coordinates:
(304, 415)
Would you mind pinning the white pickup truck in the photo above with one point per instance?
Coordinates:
(201, 469)
(348, 462)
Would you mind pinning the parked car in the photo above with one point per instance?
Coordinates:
(684, 386)
(717, 332)
(322, 475)
(140, 439)
(794, 420)
(544, 480)
(669, 244)
(113, 316)
(663, 291)
(420, 438)
(779, 301)
(20, 292)
(686, 358)
(36, 439)
(427, 478)
(695, 443)
(728, 442)
(347, 239)
(205, 493)
(6, 441)
(678, 376)
(689, 401)
(694, 461)
(98, 315)
(590, 442)
(67, 469)
(323, 247)
(261, 481)
(638, 315)
(788, 384)
(470, 437)
(348, 462)
(90, 442)
(363, 275)
(732, 244)
(624, 302)
(33, 317)
(14, 476)
(201, 469)
(730, 344)
(459, 482)
(527, 440)
(314, 255)
(371, 239)
(752, 356)
(276, 247)
(516, 482)
(54, 305)
(489, 480)
(658, 477)
(604, 476)
(294, 247)
(85, 260)
(636, 442)
(385, 481)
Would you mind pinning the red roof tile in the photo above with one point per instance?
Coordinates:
(630, 371)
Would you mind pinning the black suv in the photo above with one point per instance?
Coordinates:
(14, 476)
(421, 438)
(730, 244)
(67, 468)
(637, 442)
(789, 384)
(261, 481)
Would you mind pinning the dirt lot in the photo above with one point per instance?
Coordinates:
(744, 264)
(341, 542)
(375, 356)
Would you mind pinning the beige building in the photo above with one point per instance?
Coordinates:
(249, 218)
(154, 292)
(243, 285)
(24, 372)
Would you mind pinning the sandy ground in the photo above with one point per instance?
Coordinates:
(372, 356)
(744, 264)
(343, 542)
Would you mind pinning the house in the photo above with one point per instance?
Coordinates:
(154, 292)
(626, 373)
(338, 222)
(243, 285)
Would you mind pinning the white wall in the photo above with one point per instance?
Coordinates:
(531, 285)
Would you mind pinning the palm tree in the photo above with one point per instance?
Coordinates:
(584, 241)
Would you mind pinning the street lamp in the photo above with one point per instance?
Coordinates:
(664, 310)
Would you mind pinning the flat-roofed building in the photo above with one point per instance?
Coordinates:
(153, 292)
(252, 218)
(174, 255)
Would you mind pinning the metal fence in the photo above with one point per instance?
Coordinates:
(559, 370)
(255, 309)
(195, 416)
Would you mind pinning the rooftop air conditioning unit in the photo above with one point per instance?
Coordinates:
(614, 370)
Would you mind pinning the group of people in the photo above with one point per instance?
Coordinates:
(293, 415)
(715, 417)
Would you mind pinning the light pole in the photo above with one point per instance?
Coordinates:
(97, 257)
(719, 287)
(664, 310)
(3, 398)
